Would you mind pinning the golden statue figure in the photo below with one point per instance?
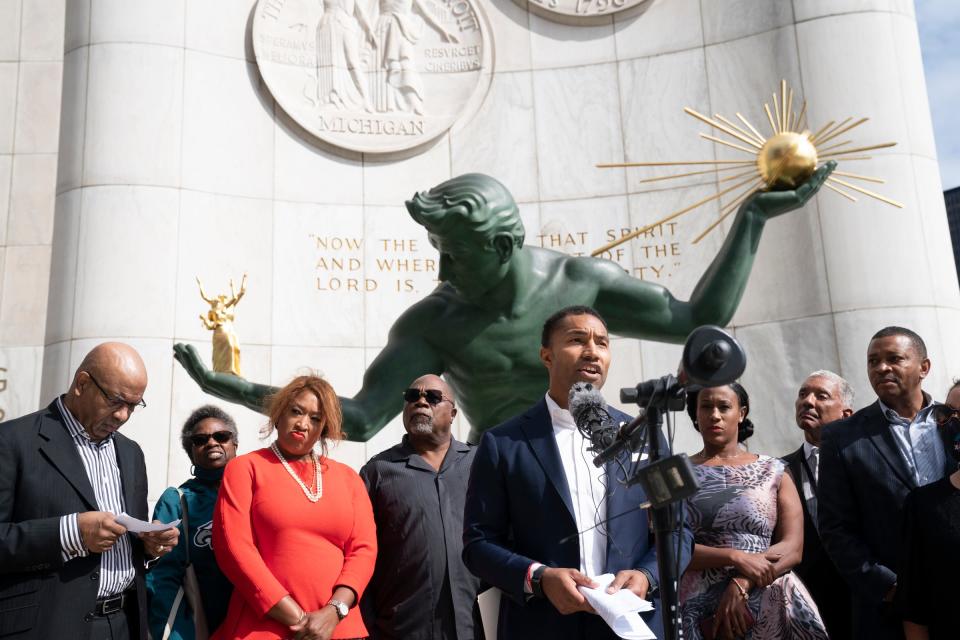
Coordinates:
(219, 319)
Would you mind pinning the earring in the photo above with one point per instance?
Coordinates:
(193, 469)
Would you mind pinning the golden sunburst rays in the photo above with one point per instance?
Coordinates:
(783, 160)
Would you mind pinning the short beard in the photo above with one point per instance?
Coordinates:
(421, 426)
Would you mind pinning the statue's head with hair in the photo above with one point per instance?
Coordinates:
(474, 223)
(472, 204)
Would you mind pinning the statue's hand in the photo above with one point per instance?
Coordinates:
(770, 204)
(189, 359)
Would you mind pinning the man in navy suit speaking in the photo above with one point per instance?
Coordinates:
(533, 486)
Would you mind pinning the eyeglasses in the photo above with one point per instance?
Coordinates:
(116, 403)
(222, 437)
(943, 413)
(433, 396)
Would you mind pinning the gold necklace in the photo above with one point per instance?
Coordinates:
(311, 496)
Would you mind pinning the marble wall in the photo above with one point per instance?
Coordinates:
(31, 71)
(174, 162)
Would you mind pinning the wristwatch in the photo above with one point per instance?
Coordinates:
(536, 586)
(653, 586)
(340, 607)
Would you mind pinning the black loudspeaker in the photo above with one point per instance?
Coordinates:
(712, 357)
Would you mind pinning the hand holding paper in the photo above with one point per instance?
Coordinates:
(619, 610)
(134, 525)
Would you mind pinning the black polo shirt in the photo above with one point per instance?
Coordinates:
(420, 588)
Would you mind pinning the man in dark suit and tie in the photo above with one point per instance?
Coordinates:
(533, 487)
(68, 569)
(824, 397)
(868, 464)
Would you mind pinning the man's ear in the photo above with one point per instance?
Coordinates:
(453, 413)
(846, 413)
(546, 357)
(924, 368)
(503, 245)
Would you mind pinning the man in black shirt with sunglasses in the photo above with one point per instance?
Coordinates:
(420, 588)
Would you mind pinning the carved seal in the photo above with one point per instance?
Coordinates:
(579, 11)
(375, 76)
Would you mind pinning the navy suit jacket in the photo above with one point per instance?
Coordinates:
(863, 481)
(816, 569)
(42, 478)
(518, 509)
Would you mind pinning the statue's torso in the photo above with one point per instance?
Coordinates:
(493, 361)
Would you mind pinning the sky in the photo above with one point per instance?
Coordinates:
(939, 24)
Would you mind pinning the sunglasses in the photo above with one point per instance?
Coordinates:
(433, 396)
(943, 413)
(222, 437)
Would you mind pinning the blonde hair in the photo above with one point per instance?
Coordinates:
(331, 416)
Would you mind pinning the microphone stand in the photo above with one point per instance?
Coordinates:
(664, 390)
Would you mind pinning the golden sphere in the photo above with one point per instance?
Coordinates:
(787, 160)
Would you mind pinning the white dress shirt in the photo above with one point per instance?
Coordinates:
(587, 489)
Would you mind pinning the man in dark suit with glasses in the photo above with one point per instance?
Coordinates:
(68, 569)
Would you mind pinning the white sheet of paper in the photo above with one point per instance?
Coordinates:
(619, 610)
(489, 602)
(134, 525)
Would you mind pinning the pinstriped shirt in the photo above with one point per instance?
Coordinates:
(100, 462)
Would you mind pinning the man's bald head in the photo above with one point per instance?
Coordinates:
(107, 386)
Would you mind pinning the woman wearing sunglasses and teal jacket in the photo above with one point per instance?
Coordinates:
(187, 580)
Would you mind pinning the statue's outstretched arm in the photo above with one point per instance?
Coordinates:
(225, 386)
(646, 310)
(406, 357)
(202, 294)
(717, 295)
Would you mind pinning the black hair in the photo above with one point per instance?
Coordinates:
(198, 416)
(745, 430)
(574, 310)
(918, 344)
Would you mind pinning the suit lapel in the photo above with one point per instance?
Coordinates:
(878, 431)
(57, 446)
(795, 464)
(538, 428)
(125, 461)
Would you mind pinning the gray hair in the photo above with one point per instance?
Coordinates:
(198, 416)
(846, 391)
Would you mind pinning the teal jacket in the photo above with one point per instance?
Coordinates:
(166, 576)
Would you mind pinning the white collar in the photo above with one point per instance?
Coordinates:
(809, 449)
(561, 418)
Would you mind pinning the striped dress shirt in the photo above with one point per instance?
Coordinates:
(100, 462)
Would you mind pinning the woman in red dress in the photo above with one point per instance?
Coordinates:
(294, 530)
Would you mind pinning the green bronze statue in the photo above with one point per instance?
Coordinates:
(480, 328)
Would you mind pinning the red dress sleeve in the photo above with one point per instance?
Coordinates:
(360, 552)
(233, 539)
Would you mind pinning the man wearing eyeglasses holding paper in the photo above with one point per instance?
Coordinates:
(68, 569)
(420, 588)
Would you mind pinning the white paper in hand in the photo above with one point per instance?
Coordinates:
(134, 525)
(619, 610)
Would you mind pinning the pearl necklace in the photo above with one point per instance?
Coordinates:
(311, 496)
